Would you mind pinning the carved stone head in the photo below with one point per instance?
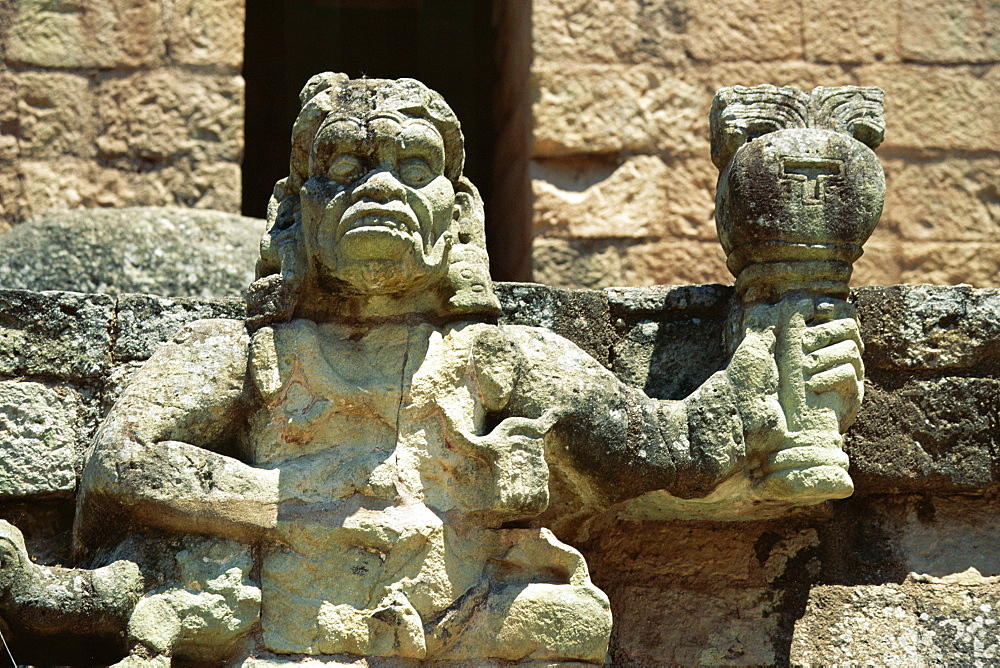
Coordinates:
(375, 205)
(800, 189)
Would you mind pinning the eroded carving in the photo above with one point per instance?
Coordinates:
(373, 467)
(799, 192)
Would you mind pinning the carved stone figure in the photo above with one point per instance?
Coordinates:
(370, 466)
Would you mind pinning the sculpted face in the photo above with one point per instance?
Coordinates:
(377, 206)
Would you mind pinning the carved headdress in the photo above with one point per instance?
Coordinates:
(282, 265)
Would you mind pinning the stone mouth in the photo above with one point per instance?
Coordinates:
(393, 217)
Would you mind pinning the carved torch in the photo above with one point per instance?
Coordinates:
(799, 192)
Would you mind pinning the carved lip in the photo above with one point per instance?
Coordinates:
(393, 216)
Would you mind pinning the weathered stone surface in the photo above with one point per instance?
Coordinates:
(850, 31)
(603, 262)
(609, 31)
(882, 260)
(105, 34)
(579, 315)
(953, 199)
(951, 262)
(602, 109)
(144, 322)
(644, 196)
(744, 30)
(940, 538)
(703, 594)
(894, 624)
(204, 598)
(949, 31)
(162, 116)
(205, 32)
(669, 261)
(40, 452)
(949, 109)
(55, 186)
(167, 251)
(579, 263)
(669, 339)
(53, 115)
(927, 327)
(923, 435)
(54, 334)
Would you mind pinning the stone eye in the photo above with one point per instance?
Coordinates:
(345, 168)
(416, 173)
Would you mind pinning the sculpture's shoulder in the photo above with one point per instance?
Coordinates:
(204, 364)
(210, 348)
(508, 359)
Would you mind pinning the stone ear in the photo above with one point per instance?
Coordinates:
(470, 222)
(469, 265)
(740, 114)
(857, 111)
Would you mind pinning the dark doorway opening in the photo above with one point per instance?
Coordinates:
(450, 45)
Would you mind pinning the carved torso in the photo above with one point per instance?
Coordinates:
(377, 524)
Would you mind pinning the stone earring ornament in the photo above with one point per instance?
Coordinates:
(799, 192)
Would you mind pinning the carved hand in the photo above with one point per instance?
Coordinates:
(516, 452)
(799, 381)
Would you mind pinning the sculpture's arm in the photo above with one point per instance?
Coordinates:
(157, 460)
(622, 443)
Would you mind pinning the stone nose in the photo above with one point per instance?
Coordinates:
(380, 185)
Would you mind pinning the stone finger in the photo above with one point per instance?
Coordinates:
(842, 377)
(845, 352)
(820, 336)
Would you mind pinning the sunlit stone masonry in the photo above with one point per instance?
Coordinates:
(383, 456)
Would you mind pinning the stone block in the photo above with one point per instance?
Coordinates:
(60, 335)
(899, 624)
(643, 196)
(579, 315)
(206, 32)
(850, 31)
(691, 627)
(674, 262)
(151, 118)
(101, 34)
(948, 108)
(669, 359)
(880, 263)
(951, 199)
(55, 115)
(577, 263)
(669, 302)
(951, 263)
(925, 436)
(40, 453)
(9, 129)
(52, 186)
(926, 327)
(146, 321)
(800, 74)
(607, 109)
(950, 31)
(942, 536)
(165, 251)
(758, 30)
(669, 338)
(610, 31)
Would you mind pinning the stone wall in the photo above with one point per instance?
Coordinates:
(119, 103)
(905, 572)
(621, 177)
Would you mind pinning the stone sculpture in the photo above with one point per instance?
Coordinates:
(370, 466)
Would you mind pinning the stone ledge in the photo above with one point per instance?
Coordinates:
(928, 424)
